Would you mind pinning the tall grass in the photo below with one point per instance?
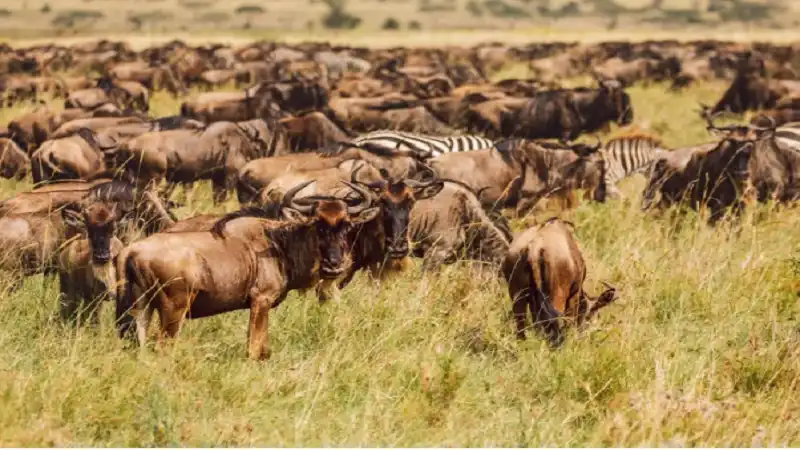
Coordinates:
(703, 348)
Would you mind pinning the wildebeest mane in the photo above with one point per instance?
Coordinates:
(114, 190)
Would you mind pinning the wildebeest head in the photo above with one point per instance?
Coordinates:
(589, 306)
(616, 101)
(333, 219)
(395, 199)
(99, 220)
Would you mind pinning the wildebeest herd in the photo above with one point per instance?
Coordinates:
(345, 159)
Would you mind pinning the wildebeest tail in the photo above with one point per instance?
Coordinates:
(541, 306)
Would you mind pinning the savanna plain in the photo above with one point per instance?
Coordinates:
(701, 349)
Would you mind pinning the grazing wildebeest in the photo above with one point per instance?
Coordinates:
(545, 272)
(243, 262)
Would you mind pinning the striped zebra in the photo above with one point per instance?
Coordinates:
(626, 155)
(424, 146)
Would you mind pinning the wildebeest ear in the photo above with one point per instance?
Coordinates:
(367, 215)
(606, 298)
(429, 190)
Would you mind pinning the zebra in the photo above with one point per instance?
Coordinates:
(626, 155)
(424, 146)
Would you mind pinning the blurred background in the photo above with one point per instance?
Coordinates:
(260, 18)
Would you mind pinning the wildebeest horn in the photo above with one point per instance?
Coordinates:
(428, 180)
(608, 286)
(377, 185)
(288, 198)
(363, 203)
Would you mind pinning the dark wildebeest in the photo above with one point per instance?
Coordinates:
(545, 272)
(565, 114)
(244, 262)
(382, 244)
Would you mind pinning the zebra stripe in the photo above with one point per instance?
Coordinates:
(788, 136)
(627, 155)
(424, 145)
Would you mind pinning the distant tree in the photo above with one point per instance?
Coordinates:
(75, 17)
(414, 25)
(45, 9)
(391, 24)
(338, 18)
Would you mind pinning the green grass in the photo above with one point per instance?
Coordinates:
(702, 349)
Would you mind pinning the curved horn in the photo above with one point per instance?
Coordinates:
(377, 185)
(288, 198)
(426, 181)
(608, 286)
(364, 203)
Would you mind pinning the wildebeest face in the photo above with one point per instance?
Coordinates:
(100, 224)
(333, 223)
(396, 204)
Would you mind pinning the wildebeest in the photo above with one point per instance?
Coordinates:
(545, 272)
(86, 269)
(256, 175)
(550, 169)
(380, 245)
(565, 114)
(244, 262)
(77, 155)
(712, 175)
(217, 153)
(453, 225)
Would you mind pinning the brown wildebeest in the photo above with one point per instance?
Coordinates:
(86, 269)
(326, 181)
(217, 153)
(311, 131)
(77, 155)
(49, 197)
(256, 262)
(551, 169)
(714, 176)
(453, 225)
(382, 244)
(257, 174)
(545, 272)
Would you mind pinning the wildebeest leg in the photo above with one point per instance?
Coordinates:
(172, 310)
(546, 317)
(67, 301)
(220, 186)
(258, 332)
(520, 300)
(143, 318)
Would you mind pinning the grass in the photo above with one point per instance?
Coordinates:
(702, 349)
